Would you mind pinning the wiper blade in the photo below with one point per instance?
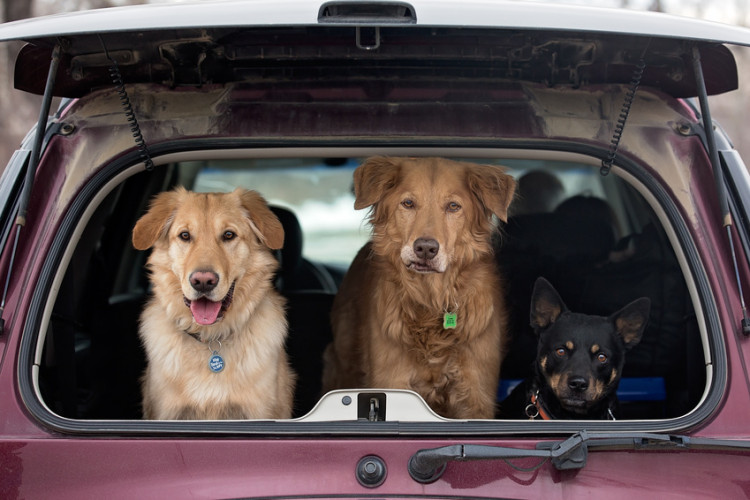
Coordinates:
(639, 441)
(426, 466)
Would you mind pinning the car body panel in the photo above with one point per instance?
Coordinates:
(234, 469)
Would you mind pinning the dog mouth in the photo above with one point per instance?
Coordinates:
(578, 404)
(421, 267)
(575, 403)
(423, 258)
(207, 312)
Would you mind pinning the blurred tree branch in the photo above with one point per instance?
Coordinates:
(18, 105)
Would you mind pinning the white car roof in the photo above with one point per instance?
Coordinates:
(486, 13)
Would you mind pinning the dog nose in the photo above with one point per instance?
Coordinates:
(204, 281)
(578, 384)
(426, 248)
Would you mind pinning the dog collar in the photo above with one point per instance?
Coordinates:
(197, 336)
(194, 335)
(536, 409)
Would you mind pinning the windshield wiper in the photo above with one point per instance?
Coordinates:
(426, 466)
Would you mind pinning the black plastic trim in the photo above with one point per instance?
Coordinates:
(367, 12)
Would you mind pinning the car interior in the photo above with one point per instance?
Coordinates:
(599, 242)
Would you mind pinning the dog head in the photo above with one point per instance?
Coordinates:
(205, 244)
(580, 357)
(428, 213)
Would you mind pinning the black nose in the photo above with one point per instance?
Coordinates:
(426, 248)
(578, 384)
(204, 281)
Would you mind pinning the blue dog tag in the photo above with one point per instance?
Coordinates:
(216, 362)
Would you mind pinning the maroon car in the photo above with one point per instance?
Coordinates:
(288, 98)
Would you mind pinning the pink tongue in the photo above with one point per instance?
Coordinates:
(204, 311)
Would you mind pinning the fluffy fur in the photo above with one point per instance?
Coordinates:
(430, 253)
(211, 271)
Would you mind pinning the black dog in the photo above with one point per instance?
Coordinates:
(579, 359)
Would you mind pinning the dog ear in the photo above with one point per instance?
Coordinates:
(373, 178)
(493, 187)
(264, 222)
(154, 223)
(546, 305)
(630, 321)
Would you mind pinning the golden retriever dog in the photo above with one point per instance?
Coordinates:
(421, 306)
(214, 330)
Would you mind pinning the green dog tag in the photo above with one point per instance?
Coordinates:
(449, 320)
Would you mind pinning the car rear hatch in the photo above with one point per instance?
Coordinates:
(418, 55)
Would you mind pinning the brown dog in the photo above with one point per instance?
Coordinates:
(421, 307)
(214, 330)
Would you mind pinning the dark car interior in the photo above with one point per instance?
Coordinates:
(598, 258)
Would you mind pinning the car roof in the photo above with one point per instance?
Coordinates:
(239, 40)
(490, 14)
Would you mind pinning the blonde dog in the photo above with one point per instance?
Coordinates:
(214, 331)
(421, 306)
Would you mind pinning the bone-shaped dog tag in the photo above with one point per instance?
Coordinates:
(449, 320)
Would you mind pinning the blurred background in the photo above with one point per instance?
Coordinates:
(19, 111)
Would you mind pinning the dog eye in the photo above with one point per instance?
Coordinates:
(407, 203)
(601, 357)
(184, 236)
(228, 235)
(453, 207)
(560, 352)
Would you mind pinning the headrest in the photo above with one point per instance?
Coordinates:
(584, 229)
(290, 256)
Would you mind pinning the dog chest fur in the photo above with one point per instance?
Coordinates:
(178, 369)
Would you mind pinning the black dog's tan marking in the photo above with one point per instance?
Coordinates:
(579, 359)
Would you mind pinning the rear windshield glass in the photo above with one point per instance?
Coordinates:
(594, 238)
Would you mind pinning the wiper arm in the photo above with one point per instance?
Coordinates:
(426, 466)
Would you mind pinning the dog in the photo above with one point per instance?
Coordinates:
(579, 359)
(214, 330)
(422, 305)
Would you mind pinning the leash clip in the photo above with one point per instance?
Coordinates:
(535, 408)
(531, 411)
